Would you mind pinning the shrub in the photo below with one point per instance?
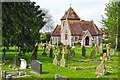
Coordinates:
(59, 43)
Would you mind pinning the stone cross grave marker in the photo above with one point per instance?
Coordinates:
(36, 66)
(112, 51)
(51, 52)
(83, 51)
(55, 61)
(15, 60)
(23, 64)
(44, 53)
(101, 68)
(62, 61)
(93, 54)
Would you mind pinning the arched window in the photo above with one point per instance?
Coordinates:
(65, 36)
(76, 38)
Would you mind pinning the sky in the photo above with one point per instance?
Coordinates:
(86, 9)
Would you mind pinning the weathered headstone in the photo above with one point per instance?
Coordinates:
(36, 66)
(112, 52)
(15, 60)
(59, 77)
(93, 54)
(83, 51)
(68, 55)
(62, 61)
(101, 68)
(72, 53)
(51, 52)
(55, 61)
(44, 53)
(23, 64)
(97, 49)
(101, 48)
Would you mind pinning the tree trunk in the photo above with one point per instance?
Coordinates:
(116, 39)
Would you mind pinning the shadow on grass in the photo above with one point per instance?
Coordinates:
(45, 72)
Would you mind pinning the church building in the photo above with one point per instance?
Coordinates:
(73, 30)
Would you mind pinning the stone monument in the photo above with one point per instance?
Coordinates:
(23, 64)
(62, 61)
(55, 61)
(83, 51)
(101, 68)
(44, 53)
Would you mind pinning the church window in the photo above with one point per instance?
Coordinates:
(76, 38)
(65, 36)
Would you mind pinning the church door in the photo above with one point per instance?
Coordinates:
(87, 40)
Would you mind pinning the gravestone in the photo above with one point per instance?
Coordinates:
(101, 48)
(62, 61)
(23, 64)
(97, 49)
(93, 54)
(112, 51)
(59, 77)
(101, 68)
(55, 61)
(44, 53)
(36, 66)
(15, 60)
(69, 55)
(83, 51)
(72, 53)
(73, 45)
(51, 52)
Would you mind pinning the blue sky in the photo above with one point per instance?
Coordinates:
(86, 9)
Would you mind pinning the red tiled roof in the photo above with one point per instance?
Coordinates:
(77, 27)
(56, 31)
(71, 15)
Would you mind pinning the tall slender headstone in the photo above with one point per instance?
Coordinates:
(83, 51)
(101, 48)
(112, 51)
(93, 54)
(55, 61)
(62, 61)
(15, 60)
(69, 55)
(51, 52)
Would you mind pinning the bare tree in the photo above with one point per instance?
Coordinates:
(49, 21)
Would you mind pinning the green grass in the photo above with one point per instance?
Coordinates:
(49, 70)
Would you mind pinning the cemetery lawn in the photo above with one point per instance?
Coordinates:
(49, 70)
